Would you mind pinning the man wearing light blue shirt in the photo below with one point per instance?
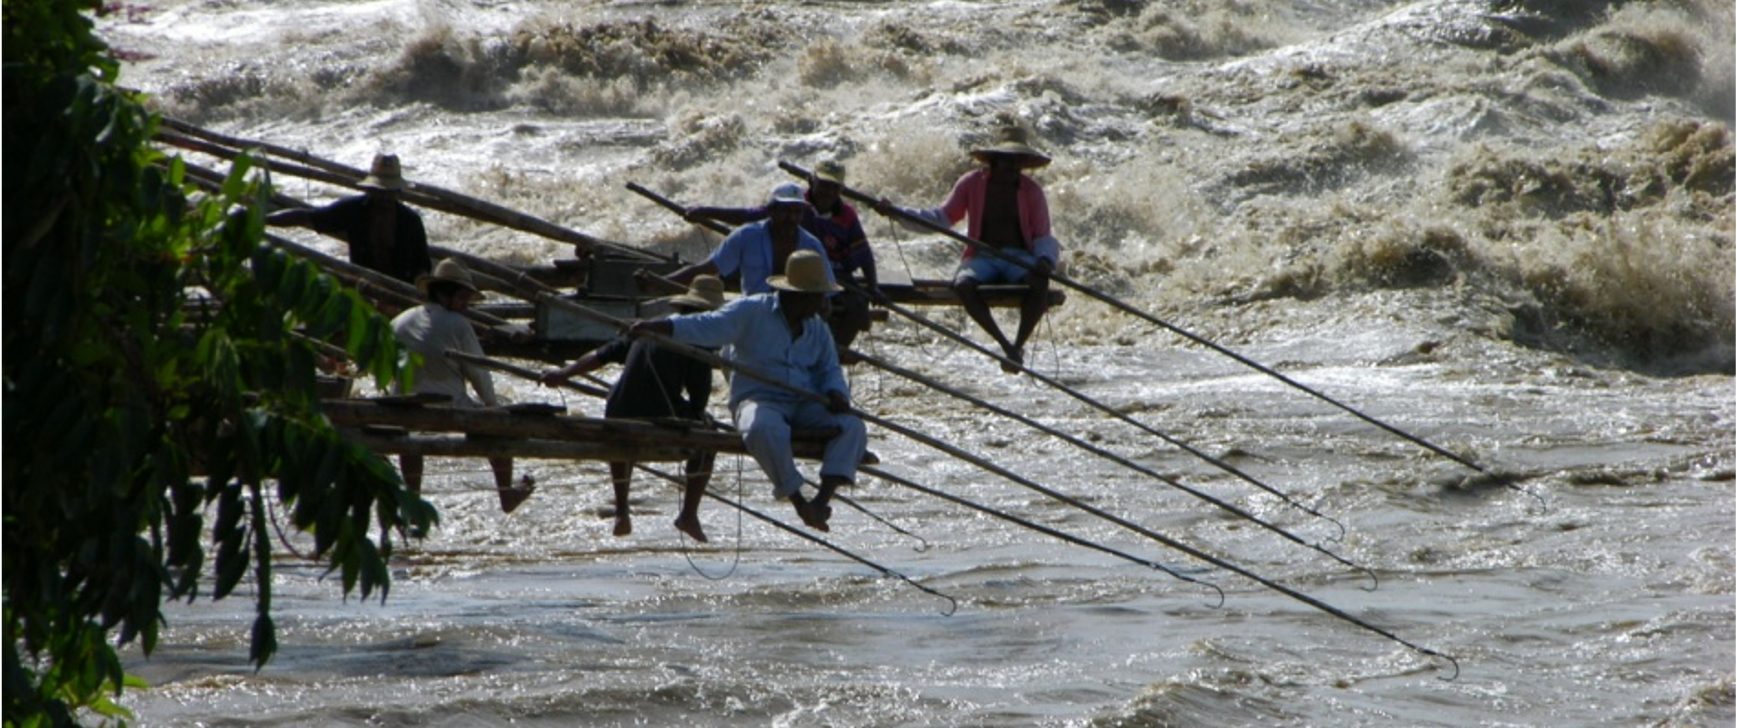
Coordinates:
(759, 250)
(782, 336)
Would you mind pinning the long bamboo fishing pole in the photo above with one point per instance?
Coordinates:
(887, 366)
(1052, 383)
(195, 138)
(820, 541)
(718, 361)
(398, 291)
(521, 372)
(1082, 397)
(1070, 538)
(1120, 305)
(1060, 497)
(952, 450)
(897, 370)
(1040, 528)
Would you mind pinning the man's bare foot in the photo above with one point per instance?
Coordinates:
(623, 524)
(809, 515)
(512, 497)
(1016, 363)
(690, 525)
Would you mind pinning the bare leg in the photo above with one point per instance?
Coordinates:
(828, 485)
(411, 467)
(1031, 309)
(699, 473)
(511, 497)
(621, 475)
(979, 311)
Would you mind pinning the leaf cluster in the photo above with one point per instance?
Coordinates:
(159, 367)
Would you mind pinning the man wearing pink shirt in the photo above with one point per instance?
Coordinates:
(1008, 212)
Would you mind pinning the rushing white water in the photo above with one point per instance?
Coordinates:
(1505, 227)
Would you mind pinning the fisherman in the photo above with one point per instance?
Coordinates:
(431, 330)
(782, 336)
(836, 224)
(758, 250)
(657, 382)
(1009, 213)
(384, 234)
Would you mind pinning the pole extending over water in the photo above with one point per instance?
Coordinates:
(835, 548)
(1179, 331)
(1052, 383)
(897, 370)
(991, 467)
(548, 297)
(1100, 452)
(1040, 528)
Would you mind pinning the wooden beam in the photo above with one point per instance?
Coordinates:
(503, 424)
(460, 446)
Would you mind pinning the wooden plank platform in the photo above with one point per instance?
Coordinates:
(500, 432)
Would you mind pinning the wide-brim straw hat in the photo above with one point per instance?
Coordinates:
(1012, 141)
(450, 271)
(386, 174)
(705, 292)
(830, 170)
(804, 272)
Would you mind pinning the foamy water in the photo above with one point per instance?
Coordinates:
(1503, 227)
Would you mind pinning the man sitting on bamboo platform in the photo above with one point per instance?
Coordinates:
(782, 336)
(431, 330)
(1009, 213)
(835, 223)
(656, 382)
(384, 234)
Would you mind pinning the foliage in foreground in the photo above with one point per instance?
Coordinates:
(158, 368)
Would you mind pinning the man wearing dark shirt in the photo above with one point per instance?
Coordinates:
(655, 383)
(384, 234)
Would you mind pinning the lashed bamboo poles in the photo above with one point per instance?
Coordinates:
(195, 138)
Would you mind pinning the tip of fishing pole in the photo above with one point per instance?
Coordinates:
(1214, 587)
(1543, 505)
(1342, 531)
(1451, 661)
(1374, 581)
(953, 608)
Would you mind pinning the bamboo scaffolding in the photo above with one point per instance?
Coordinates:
(205, 141)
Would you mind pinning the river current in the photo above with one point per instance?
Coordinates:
(1504, 228)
